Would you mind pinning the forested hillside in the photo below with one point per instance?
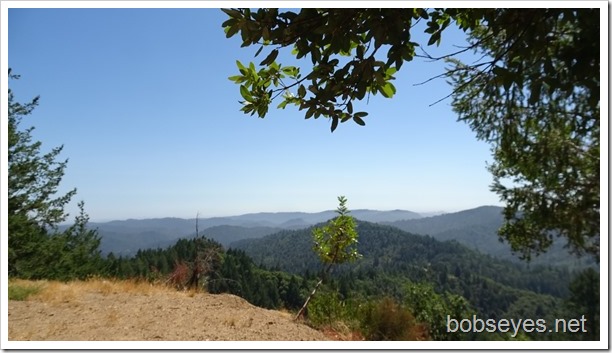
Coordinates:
(428, 277)
(390, 250)
(478, 229)
(391, 258)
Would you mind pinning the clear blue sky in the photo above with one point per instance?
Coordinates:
(151, 125)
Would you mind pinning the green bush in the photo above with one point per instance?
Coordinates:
(326, 308)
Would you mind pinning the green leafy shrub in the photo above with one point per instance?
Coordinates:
(327, 308)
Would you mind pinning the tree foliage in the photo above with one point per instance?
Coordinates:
(433, 309)
(536, 101)
(36, 249)
(534, 95)
(336, 242)
(584, 300)
(345, 47)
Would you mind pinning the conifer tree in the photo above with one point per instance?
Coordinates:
(36, 248)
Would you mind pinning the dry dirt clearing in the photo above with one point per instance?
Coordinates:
(111, 311)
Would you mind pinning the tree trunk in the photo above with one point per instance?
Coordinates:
(308, 300)
(325, 274)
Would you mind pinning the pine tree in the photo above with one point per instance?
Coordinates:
(36, 248)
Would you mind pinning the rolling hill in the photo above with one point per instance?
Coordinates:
(391, 256)
(477, 228)
(126, 237)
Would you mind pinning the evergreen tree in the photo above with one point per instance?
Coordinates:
(78, 250)
(543, 128)
(584, 300)
(36, 248)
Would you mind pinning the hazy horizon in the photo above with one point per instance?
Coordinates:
(202, 216)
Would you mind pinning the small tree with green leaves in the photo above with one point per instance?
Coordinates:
(335, 243)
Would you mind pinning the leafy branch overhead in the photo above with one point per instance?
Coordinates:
(342, 45)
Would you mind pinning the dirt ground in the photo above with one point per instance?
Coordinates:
(166, 315)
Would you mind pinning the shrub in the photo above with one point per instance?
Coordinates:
(338, 317)
(386, 320)
(179, 276)
(325, 309)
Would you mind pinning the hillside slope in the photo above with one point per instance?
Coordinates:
(477, 228)
(492, 285)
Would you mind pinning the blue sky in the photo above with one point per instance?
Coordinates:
(151, 125)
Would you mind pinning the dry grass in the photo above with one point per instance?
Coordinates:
(286, 313)
(339, 331)
(69, 292)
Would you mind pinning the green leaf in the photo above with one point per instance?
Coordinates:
(270, 58)
(334, 123)
(360, 114)
(302, 91)
(390, 71)
(265, 33)
(435, 38)
(290, 71)
(282, 104)
(237, 78)
(245, 93)
(258, 51)
(228, 23)
(379, 78)
(309, 113)
(240, 66)
(232, 13)
(262, 110)
(358, 120)
(230, 31)
(423, 13)
(388, 90)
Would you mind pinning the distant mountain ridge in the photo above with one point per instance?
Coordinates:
(126, 237)
(476, 228)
